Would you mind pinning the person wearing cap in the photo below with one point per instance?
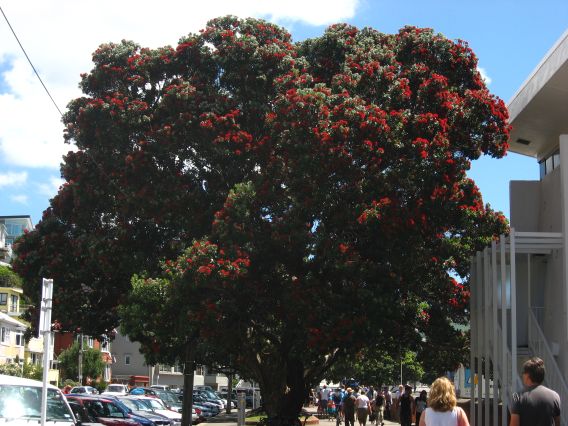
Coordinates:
(348, 408)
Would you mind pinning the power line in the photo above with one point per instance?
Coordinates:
(29, 60)
(55, 104)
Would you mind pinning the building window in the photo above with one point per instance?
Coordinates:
(13, 303)
(35, 358)
(19, 339)
(90, 342)
(4, 335)
(200, 370)
(549, 163)
(14, 229)
(3, 298)
(127, 359)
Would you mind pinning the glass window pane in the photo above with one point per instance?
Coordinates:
(549, 167)
(542, 168)
(556, 159)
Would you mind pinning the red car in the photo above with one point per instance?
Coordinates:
(101, 410)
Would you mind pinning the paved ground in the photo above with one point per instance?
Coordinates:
(224, 419)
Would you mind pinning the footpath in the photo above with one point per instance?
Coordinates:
(224, 419)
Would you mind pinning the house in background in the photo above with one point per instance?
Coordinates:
(64, 340)
(519, 285)
(11, 339)
(11, 227)
(10, 299)
(128, 362)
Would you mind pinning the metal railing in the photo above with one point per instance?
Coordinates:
(538, 345)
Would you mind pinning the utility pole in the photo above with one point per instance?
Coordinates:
(81, 359)
(45, 330)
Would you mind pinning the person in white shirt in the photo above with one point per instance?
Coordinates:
(324, 398)
(363, 408)
(442, 406)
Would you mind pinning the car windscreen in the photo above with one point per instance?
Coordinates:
(155, 404)
(115, 388)
(135, 404)
(24, 402)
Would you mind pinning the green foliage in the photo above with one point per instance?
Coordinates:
(378, 366)
(32, 371)
(93, 364)
(100, 385)
(275, 206)
(9, 278)
(11, 369)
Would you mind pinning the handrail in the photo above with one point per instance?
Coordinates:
(554, 378)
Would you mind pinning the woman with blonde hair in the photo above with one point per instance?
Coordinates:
(442, 406)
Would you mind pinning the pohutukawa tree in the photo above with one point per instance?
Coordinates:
(310, 197)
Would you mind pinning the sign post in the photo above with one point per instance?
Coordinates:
(241, 404)
(45, 330)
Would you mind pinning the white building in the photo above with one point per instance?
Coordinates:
(11, 227)
(519, 284)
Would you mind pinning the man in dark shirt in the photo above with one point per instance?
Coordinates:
(538, 405)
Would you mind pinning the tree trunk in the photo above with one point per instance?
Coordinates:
(188, 375)
(229, 392)
(283, 394)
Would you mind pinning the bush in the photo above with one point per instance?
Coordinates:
(100, 385)
(11, 370)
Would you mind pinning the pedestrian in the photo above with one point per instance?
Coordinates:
(324, 399)
(396, 397)
(406, 406)
(537, 405)
(420, 405)
(379, 408)
(388, 403)
(371, 393)
(363, 408)
(442, 407)
(337, 399)
(348, 407)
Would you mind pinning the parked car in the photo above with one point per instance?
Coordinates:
(20, 403)
(140, 391)
(116, 389)
(170, 399)
(134, 407)
(89, 390)
(81, 414)
(157, 406)
(103, 410)
(161, 387)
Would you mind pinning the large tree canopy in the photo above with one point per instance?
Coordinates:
(311, 197)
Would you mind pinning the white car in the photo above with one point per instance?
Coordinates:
(116, 389)
(20, 403)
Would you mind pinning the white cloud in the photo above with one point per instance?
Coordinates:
(13, 179)
(60, 36)
(51, 187)
(484, 75)
(21, 199)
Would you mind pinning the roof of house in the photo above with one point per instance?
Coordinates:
(8, 319)
(539, 109)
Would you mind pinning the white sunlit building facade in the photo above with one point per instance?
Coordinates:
(519, 284)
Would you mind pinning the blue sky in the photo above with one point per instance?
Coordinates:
(509, 37)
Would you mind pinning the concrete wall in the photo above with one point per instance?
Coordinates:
(122, 346)
(550, 218)
(524, 200)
